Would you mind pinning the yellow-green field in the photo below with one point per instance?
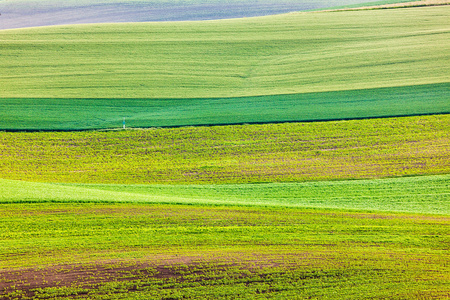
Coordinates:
(144, 251)
(232, 154)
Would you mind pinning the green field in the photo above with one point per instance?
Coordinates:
(356, 206)
(287, 54)
(352, 239)
(76, 114)
(425, 194)
(120, 242)
(129, 251)
(232, 154)
(384, 63)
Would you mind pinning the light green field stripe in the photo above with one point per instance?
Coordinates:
(76, 114)
(427, 194)
(22, 191)
(284, 54)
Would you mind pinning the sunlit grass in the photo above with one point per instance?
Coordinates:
(425, 194)
(284, 54)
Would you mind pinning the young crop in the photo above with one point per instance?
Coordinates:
(126, 251)
(232, 154)
(274, 55)
(79, 114)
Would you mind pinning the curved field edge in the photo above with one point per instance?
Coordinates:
(285, 152)
(29, 13)
(389, 5)
(284, 54)
(424, 194)
(82, 114)
(126, 251)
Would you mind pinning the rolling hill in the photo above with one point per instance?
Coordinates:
(32, 13)
(367, 63)
(344, 209)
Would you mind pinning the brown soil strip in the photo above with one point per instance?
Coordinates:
(94, 275)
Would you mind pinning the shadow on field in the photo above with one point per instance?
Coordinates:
(43, 13)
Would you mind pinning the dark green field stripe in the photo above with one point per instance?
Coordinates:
(82, 114)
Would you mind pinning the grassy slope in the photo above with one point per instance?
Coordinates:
(240, 252)
(232, 154)
(139, 65)
(75, 114)
(220, 252)
(327, 240)
(428, 194)
(294, 53)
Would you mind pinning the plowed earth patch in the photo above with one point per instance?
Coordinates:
(27, 283)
